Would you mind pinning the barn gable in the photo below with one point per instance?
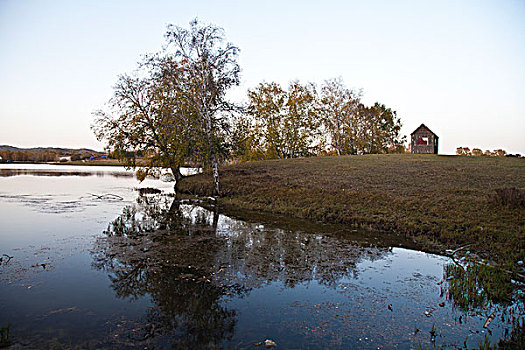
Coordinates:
(423, 141)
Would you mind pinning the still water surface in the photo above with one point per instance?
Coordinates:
(96, 265)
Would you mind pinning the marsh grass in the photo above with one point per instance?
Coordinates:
(476, 285)
(437, 200)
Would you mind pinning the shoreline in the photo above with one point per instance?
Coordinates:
(439, 201)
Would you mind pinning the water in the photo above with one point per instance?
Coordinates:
(96, 265)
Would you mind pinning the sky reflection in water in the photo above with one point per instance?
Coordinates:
(144, 271)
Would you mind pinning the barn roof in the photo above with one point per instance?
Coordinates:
(423, 126)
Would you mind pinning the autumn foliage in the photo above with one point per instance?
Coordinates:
(465, 151)
(303, 120)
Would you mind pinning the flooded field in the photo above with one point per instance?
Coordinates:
(90, 262)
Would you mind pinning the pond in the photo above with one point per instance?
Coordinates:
(90, 262)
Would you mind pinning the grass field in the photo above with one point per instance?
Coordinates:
(440, 201)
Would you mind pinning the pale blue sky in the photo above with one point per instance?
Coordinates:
(457, 66)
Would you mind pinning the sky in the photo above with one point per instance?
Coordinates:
(456, 66)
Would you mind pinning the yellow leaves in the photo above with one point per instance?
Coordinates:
(141, 174)
(284, 119)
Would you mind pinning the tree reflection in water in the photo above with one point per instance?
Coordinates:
(189, 260)
(153, 249)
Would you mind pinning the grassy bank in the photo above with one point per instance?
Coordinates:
(447, 200)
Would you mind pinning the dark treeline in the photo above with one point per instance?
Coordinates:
(32, 155)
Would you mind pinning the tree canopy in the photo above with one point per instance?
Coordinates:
(285, 122)
(301, 121)
(339, 106)
(171, 110)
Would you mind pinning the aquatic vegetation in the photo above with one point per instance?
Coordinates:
(475, 285)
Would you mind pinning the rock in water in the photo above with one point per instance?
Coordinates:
(268, 343)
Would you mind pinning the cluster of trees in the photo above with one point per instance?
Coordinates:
(173, 111)
(465, 151)
(21, 156)
(304, 121)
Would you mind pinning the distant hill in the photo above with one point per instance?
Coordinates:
(48, 149)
